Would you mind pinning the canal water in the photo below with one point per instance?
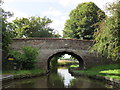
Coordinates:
(59, 78)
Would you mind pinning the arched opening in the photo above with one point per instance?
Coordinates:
(59, 54)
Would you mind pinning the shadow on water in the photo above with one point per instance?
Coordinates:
(57, 78)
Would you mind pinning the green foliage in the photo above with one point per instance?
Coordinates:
(32, 72)
(6, 35)
(82, 20)
(32, 27)
(54, 61)
(74, 66)
(27, 59)
(24, 72)
(5, 38)
(108, 34)
(110, 71)
(115, 71)
(18, 56)
(30, 57)
(67, 62)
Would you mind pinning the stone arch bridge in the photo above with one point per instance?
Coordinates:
(48, 47)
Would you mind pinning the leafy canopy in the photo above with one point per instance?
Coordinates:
(32, 27)
(80, 25)
(108, 34)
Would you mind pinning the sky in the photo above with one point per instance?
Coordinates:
(57, 10)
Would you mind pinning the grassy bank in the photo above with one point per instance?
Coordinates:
(24, 72)
(108, 71)
(66, 62)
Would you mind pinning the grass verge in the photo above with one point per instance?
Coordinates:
(24, 72)
(108, 71)
(66, 62)
(74, 66)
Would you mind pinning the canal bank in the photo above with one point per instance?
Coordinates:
(21, 74)
(60, 78)
(105, 77)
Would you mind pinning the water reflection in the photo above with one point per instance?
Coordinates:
(58, 79)
(55, 80)
(66, 75)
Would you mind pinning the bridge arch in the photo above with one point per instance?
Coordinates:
(80, 60)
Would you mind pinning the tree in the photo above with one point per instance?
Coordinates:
(82, 20)
(32, 27)
(108, 34)
(6, 35)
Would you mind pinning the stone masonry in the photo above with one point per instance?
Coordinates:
(48, 47)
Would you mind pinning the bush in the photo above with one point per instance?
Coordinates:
(30, 57)
(19, 59)
(17, 55)
(27, 59)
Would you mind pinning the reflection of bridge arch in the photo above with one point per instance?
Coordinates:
(81, 62)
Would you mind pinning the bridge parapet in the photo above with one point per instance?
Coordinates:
(53, 43)
(47, 47)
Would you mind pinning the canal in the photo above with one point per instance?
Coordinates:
(59, 78)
